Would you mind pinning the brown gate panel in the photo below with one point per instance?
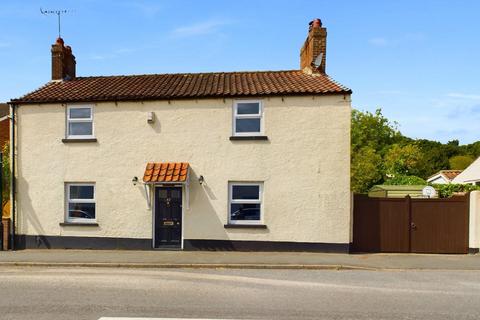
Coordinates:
(439, 225)
(380, 225)
(410, 225)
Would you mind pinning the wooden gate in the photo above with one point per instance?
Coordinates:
(410, 225)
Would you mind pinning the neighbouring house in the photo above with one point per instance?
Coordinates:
(226, 160)
(443, 176)
(471, 174)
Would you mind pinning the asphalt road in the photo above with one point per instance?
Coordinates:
(92, 293)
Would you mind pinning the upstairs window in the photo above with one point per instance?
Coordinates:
(245, 203)
(79, 122)
(247, 118)
(80, 202)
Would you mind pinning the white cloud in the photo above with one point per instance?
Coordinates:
(464, 96)
(124, 50)
(202, 28)
(379, 42)
(395, 41)
(147, 9)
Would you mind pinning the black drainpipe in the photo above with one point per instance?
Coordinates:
(12, 174)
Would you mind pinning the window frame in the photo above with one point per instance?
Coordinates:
(69, 120)
(231, 201)
(68, 200)
(236, 116)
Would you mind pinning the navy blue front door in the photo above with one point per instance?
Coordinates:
(168, 217)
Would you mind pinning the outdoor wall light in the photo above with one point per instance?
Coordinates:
(135, 181)
(201, 179)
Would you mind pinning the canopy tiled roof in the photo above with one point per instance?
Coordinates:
(166, 172)
(184, 85)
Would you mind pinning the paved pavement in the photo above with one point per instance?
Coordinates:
(238, 259)
(40, 293)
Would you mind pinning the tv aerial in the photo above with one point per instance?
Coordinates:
(59, 15)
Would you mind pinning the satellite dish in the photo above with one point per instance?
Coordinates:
(429, 192)
(318, 60)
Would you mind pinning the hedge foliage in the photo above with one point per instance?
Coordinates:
(447, 190)
(406, 181)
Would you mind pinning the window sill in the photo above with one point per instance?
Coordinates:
(239, 138)
(245, 226)
(81, 224)
(69, 140)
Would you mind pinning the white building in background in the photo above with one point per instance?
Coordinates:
(444, 176)
(471, 175)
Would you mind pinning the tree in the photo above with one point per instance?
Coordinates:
(460, 162)
(435, 157)
(378, 150)
(372, 130)
(6, 174)
(403, 160)
(366, 169)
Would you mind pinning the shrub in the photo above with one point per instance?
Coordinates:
(405, 180)
(447, 190)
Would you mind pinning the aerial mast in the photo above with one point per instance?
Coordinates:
(59, 15)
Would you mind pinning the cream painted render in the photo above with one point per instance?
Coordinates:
(305, 167)
(474, 220)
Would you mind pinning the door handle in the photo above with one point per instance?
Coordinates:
(413, 226)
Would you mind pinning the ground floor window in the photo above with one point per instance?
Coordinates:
(245, 205)
(80, 202)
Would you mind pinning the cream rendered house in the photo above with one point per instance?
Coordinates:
(228, 160)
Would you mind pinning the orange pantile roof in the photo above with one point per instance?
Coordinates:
(166, 172)
(184, 86)
(449, 174)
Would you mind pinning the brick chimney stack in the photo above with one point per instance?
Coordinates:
(314, 46)
(63, 61)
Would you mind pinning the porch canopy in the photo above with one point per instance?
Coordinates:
(166, 172)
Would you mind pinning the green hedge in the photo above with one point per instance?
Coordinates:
(447, 190)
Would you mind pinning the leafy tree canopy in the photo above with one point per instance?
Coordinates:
(380, 151)
(460, 162)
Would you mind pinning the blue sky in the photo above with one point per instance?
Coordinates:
(417, 60)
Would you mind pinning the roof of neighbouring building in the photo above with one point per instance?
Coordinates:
(4, 110)
(449, 174)
(166, 172)
(184, 86)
